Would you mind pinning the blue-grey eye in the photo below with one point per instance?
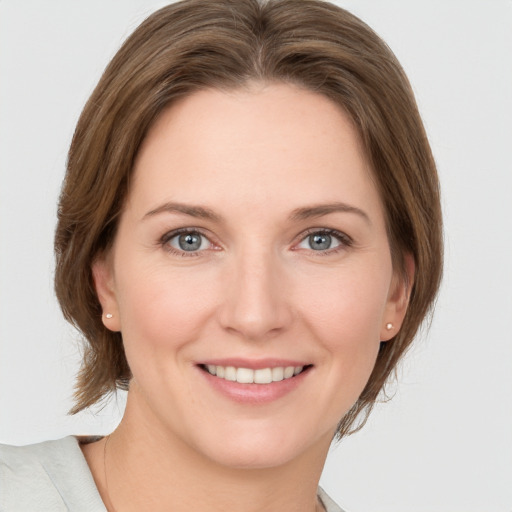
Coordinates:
(320, 241)
(189, 242)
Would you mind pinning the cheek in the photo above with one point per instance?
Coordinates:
(348, 307)
(345, 315)
(160, 308)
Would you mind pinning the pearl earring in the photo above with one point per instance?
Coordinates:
(389, 326)
(109, 315)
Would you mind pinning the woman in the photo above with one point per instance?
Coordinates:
(249, 238)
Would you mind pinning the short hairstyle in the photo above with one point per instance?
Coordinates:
(225, 44)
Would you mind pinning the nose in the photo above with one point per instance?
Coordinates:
(256, 305)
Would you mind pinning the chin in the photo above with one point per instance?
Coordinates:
(263, 449)
(253, 457)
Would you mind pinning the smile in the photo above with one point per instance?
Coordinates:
(254, 382)
(250, 376)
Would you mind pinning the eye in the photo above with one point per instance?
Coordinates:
(324, 241)
(187, 241)
(319, 241)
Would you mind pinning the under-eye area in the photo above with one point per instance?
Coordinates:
(259, 376)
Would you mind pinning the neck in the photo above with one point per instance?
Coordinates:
(148, 469)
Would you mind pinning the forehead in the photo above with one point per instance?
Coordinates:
(247, 145)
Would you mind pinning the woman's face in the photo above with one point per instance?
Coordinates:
(252, 246)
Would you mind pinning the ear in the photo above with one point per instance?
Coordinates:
(398, 299)
(104, 283)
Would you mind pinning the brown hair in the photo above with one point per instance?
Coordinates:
(197, 44)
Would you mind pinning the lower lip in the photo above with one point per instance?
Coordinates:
(255, 393)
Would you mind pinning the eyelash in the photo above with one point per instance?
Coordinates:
(344, 241)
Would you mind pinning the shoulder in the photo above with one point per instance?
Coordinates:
(327, 502)
(52, 475)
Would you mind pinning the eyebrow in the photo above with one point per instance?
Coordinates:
(199, 212)
(304, 213)
(310, 212)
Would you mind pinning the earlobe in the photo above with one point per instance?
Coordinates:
(104, 284)
(398, 300)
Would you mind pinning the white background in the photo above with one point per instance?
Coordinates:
(444, 443)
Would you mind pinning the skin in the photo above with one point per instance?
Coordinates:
(255, 289)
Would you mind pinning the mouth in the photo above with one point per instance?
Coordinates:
(254, 376)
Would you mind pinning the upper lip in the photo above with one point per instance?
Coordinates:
(254, 364)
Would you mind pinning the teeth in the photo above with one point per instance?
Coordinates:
(230, 373)
(263, 376)
(248, 376)
(245, 376)
(277, 373)
(289, 371)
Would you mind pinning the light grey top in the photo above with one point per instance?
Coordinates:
(54, 476)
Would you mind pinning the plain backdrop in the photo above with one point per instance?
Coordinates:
(444, 442)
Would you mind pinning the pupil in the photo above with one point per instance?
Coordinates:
(189, 242)
(320, 242)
